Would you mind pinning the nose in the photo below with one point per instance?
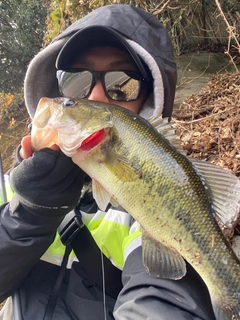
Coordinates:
(98, 93)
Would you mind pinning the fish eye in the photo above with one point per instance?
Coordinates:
(68, 103)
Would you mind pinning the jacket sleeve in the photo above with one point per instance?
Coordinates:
(46, 187)
(144, 297)
(24, 236)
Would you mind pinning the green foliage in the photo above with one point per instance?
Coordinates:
(63, 13)
(22, 28)
(192, 25)
(28, 25)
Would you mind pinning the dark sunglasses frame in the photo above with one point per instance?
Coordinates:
(101, 75)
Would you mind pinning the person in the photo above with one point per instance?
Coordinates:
(40, 277)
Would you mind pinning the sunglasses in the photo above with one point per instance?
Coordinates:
(117, 85)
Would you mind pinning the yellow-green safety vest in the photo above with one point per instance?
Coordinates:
(111, 230)
(8, 189)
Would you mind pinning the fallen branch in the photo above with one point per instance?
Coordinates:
(232, 35)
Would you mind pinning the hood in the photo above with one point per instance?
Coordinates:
(144, 33)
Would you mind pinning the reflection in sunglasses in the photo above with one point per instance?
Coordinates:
(117, 85)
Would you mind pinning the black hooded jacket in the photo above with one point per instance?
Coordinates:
(132, 23)
(27, 231)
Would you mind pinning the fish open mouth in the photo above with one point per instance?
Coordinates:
(92, 141)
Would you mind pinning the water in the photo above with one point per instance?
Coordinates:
(196, 69)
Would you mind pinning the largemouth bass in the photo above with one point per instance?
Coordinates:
(177, 201)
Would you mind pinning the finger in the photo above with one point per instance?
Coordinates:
(55, 147)
(26, 150)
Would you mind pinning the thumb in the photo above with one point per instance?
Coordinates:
(26, 150)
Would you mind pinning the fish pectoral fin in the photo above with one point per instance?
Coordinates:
(102, 196)
(123, 169)
(161, 261)
(114, 202)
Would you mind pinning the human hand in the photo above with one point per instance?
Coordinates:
(46, 178)
(26, 147)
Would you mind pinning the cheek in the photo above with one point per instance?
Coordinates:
(134, 106)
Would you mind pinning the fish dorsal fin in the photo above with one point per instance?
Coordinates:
(161, 261)
(163, 126)
(102, 196)
(224, 189)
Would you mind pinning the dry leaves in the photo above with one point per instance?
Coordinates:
(209, 123)
(209, 126)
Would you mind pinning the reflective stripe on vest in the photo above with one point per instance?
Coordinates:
(9, 191)
(112, 232)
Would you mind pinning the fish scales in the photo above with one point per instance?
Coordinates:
(182, 198)
(161, 189)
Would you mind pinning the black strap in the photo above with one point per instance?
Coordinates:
(55, 291)
(73, 231)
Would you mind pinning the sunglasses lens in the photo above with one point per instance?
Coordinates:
(75, 84)
(122, 86)
(118, 85)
